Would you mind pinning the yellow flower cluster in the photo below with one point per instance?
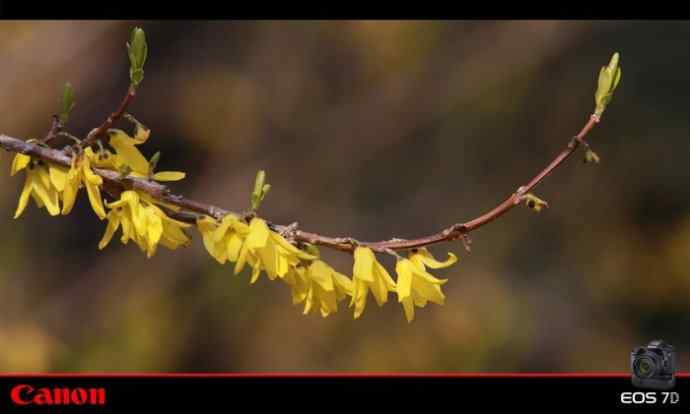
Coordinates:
(314, 282)
(139, 215)
(144, 222)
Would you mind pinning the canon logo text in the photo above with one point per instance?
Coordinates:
(24, 394)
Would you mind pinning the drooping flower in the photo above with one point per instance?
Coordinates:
(40, 184)
(144, 223)
(223, 240)
(267, 250)
(80, 173)
(369, 275)
(415, 286)
(127, 154)
(318, 285)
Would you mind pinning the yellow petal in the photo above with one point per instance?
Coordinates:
(19, 162)
(428, 291)
(48, 195)
(212, 247)
(328, 301)
(364, 264)
(256, 271)
(113, 224)
(127, 153)
(169, 176)
(241, 258)
(343, 283)
(404, 283)
(69, 194)
(24, 196)
(321, 273)
(269, 260)
(382, 274)
(95, 199)
(428, 259)
(280, 240)
(127, 228)
(173, 235)
(283, 264)
(359, 299)
(408, 307)
(258, 233)
(234, 244)
(154, 232)
(309, 302)
(89, 175)
(219, 230)
(44, 175)
(58, 177)
(422, 274)
(37, 200)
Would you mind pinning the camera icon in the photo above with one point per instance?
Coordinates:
(654, 366)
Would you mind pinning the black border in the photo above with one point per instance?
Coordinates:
(356, 393)
(214, 10)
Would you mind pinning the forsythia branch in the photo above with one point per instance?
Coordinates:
(149, 213)
(195, 208)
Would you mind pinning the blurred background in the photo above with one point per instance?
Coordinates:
(370, 129)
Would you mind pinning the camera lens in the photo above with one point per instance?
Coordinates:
(644, 367)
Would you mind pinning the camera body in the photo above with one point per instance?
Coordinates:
(654, 366)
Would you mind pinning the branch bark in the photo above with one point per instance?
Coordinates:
(192, 209)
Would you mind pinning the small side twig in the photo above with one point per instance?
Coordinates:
(99, 132)
(55, 129)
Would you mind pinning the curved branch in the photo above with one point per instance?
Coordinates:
(191, 209)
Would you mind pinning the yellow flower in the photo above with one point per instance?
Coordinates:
(80, 174)
(415, 286)
(42, 184)
(143, 222)
(267, 250)
(296, 278)
(369, 274)
(223, 240)
(318, 285)
(127, 154)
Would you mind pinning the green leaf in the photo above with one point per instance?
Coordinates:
(591, 157)
(535, 203)
(137, 50)
(609, 77)
(67, 102)
(136, 76)
(260, 190)
(153, 162)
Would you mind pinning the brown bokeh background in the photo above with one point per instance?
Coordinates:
(370, 129)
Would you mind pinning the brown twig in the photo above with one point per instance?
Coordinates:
(55, 129)
(191, 209)
(108, 123)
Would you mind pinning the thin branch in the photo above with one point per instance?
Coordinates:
(192, 209)
(108, 123)
(55, 129)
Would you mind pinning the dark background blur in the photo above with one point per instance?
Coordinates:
(370, 129)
